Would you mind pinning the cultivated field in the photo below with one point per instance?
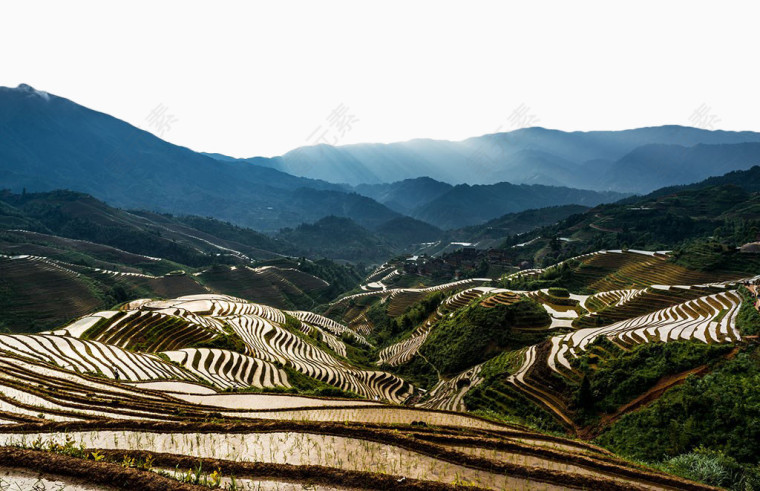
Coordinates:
(195, 391)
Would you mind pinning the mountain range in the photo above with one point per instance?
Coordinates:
(720, 209)
(49, 142)
(631, 161)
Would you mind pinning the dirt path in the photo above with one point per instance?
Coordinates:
(602, 229)
(649, 396)
(652, 394)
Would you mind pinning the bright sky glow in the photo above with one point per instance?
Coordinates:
(259, 78)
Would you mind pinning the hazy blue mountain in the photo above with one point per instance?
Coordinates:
(587, 160)
(49, 142)
(747, 180)
(272, 163)
(364, 211)
(515, 223)
(676, 164)
(188, 240)
(465, 205)
(338, 238)
(407, 195)
(403, 231)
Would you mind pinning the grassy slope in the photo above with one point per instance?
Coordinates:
(718, 412)
(477, 333)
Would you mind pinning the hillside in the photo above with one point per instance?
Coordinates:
(84, 276)
(89, 255)
(715, 209)
(242, 392)
(599, 345)
(405, 196)
(466, 205)
(677, 164)
(451, 207)
(404, 231)
(245, 370)
(53, 143)
(338, 238)
(194, 240)
(748, 180)
(501, 357)
(80, 216)
(515, 223)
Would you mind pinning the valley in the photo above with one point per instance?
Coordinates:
(464, 383)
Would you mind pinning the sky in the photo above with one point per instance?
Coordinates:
(262, 78)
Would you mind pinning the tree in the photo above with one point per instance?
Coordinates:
(585, 397)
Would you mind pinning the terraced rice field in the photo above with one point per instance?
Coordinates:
(43, 406)
(404, 350)
(448, 394)
(218, 306)
(153, 331)
(104, 343)
(614, 270)
(92, 357)
(615, 298)
(427, 458)
(270, 285)
(227, 369)
(335, 328)
(379, 273)
(639, 302)
(703, 309)
(402, 298)
(693, 319)
(85, 386)
(73, 295)
(274, 344)
(709, 319)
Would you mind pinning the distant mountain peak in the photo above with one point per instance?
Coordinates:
(28, 89)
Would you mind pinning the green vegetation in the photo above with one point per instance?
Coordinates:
(416, 371)
(615, 377)
(708, 255)
(228, 341)
(341, 278)
(500, 401)
(515, 223)
(359, 354)
(716, 211)
(389, 330)
(477, 333)
(556, 278)
(337, 238)
(559, 292)
(714, 468)
(719, 412)
(748, 318)
(502, 365)
(356, 354)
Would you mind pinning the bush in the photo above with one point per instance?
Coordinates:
(720, 411)
(388, 330)
(229, 341)
(477, 333)
(748, 318)
(620, 376)
(714, 468)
